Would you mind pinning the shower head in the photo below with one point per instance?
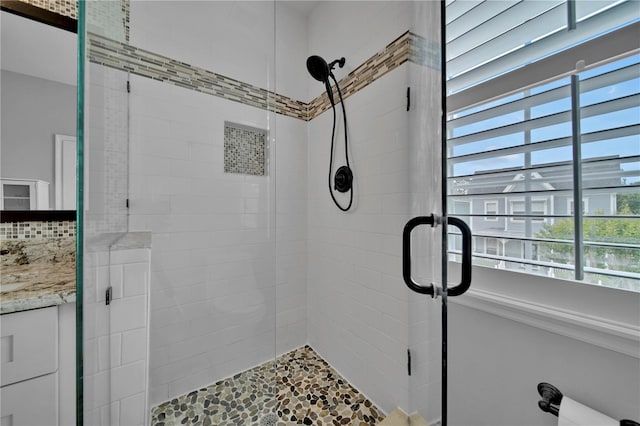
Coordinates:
(319, 69)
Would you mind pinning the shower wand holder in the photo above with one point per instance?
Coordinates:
(340, 63)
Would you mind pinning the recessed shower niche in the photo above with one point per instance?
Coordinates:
(245, 150)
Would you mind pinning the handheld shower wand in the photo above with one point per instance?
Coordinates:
(343, 180)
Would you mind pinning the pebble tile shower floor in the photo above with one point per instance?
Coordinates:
(307, 391)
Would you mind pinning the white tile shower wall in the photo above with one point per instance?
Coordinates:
(291, 233)
(358, 305)
(291, 51)
(106, 151)
(213, 269)
(232, 38)
(357, 302)
(116, 358)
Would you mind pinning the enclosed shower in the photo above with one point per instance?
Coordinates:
(223, 285)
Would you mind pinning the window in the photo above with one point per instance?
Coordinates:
(461, 207)
(491, 246)
(585, 206)
(545, 134)
(490, 211)
(519, 213)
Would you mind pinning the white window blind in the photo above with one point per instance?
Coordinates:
(489, 38)
(519, 159)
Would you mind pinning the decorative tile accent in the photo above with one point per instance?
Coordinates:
(111, 16)
(67, 8)
(109, 26)
(407, 47)
(424, 52)
(124, 57)
(300, 388)
(244, 150)
(392, 56)
(37, 230)
(109, 19)
(114, 54)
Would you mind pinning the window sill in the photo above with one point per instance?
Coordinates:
(605, 317)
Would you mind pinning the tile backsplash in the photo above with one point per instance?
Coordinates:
(37, 230)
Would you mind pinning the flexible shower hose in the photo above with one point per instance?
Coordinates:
(346, 146)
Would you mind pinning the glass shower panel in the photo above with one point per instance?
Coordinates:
(425, 318)
(103, 182)
(182, 112)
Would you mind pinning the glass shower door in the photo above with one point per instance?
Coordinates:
(426, 267)
(179, 212)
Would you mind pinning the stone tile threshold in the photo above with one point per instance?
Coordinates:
(399, 418)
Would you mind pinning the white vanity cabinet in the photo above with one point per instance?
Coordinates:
(29, 379)
(24, 194)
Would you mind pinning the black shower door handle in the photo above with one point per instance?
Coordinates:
(406, 253)
(465, 280)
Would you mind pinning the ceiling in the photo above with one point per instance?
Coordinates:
(39, 50)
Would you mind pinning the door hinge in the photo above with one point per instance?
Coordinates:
(128, 86)
(409, 362)
(108, 295)
(127, 203)
(408, 98)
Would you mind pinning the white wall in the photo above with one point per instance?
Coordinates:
(106, 150)
(33, 111)
(358, 304)
(496, 364)
(291, 233)
(232, 38)
(212, 272)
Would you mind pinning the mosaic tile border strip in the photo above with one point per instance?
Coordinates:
(391, 57)
(122, 56)
(37, 230)
(141, 62)
(299, 388)
(408, 47)
(68, 8)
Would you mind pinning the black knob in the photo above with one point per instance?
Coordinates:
(343, 179)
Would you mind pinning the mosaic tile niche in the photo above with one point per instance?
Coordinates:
(244, 150)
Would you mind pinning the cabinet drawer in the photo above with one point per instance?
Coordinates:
(29, 344)
(32, 402)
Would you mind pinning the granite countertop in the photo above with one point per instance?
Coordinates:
(37, 273)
